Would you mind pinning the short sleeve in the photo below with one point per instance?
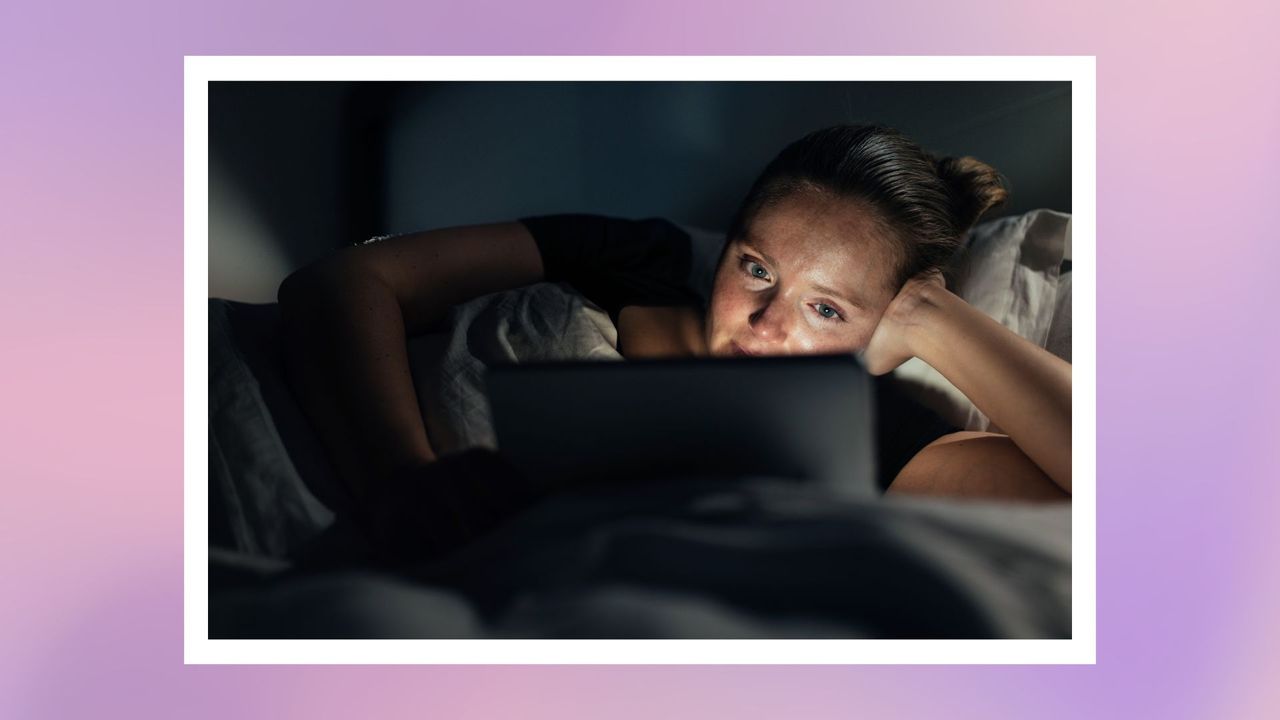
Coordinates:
(903, 427)
(616, 262)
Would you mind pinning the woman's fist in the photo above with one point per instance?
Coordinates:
(891, 343)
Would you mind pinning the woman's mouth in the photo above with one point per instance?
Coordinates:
(738, 351)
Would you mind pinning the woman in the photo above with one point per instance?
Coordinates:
(837, 247)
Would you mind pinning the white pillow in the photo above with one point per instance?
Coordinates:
(535, 323)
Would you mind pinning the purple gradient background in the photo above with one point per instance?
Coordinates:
(91, 363)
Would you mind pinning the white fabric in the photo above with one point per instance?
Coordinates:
(266, 508)
(1059, 341)
(538, 323)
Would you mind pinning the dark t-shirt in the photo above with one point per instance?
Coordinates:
(615, 262)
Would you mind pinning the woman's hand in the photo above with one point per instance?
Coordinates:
(892, 342)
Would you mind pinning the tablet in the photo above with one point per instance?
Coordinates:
(806, 418)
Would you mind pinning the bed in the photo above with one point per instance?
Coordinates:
(750, 557)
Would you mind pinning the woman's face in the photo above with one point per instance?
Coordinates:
(813, 275)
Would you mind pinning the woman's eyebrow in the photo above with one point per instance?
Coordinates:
(747, 245)
(840, 296)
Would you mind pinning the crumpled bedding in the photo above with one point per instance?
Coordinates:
(689, 558)
(757, 558)
(539, 323)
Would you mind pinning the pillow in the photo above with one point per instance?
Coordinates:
(267, 470)
(1010, 269)
(536, 323)
(1059, 342)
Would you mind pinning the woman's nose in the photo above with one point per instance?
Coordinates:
(769, 322)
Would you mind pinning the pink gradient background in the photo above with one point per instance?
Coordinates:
(91, 363)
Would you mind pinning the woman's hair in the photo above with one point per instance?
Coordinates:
(924, 204)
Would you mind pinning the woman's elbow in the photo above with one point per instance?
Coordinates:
(302, 285)
(978, 465)
(312, 287)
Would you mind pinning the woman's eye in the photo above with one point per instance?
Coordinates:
(755, 269)
(827, 312)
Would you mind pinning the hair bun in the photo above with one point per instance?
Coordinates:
(974, 186)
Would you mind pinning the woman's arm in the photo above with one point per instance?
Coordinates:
(1022, 388)
(346, 323)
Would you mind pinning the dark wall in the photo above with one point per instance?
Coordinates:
(297, 169)
(277, 195)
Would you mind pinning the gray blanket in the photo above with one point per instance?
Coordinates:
(752, 557)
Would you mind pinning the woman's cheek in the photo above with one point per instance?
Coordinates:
(818, 343)
(856, 336)
(719, 317)
(726, 303)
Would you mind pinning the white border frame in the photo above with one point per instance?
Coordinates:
(1079, 70)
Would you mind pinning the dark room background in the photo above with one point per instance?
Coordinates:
(297, 169)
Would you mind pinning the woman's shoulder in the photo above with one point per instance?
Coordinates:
(661, 332)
